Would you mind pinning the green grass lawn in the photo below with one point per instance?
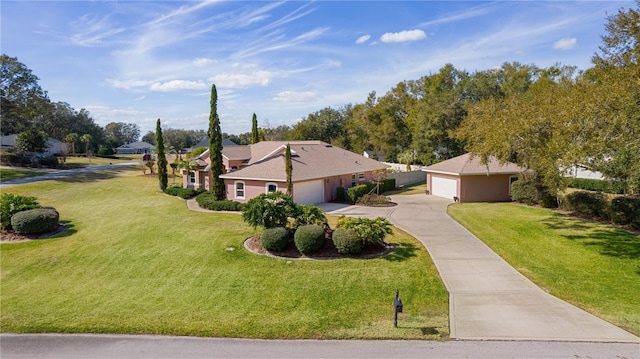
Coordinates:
(137, 261)
(7, 174)
(417, 188)
(594, 266)
(88, 161)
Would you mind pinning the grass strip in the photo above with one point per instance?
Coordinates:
(591, 265)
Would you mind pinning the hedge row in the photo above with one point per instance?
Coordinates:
(184, 193)
(620, 210)
(597, 185)
(354, 193)
(206, 200)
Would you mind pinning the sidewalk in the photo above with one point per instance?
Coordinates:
(489, 300)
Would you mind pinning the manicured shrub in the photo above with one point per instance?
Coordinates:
(373, 199)
(270, 210)
(11, 204)
(354, 193)
(275, 239)
(105, 151)
(207, 200)
(590, 203)
(626, 210)
(341, 194)
(388, 185)
(310, 214)
(184, 193)
(34, 221)
(48, 161)
(524, 191)
(595, 185)
(368, 230)
(346, 241)
(309, 238)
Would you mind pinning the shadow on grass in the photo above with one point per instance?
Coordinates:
(401, 252)
(423, 330)
(97, 175)
(65, 230)
(610, 242)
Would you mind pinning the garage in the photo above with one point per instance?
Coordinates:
(444, 187)
(310, 192)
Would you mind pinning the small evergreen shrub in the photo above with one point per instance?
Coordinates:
(341, 194)
(354, 193)
(626, 210)
(105, 151)
(368, 230)
(49, 161)
(34, 221)
(10, 204)
(184, 193)
(309, 238)
(373, 199)
(346, 241)
(310, 214)
(524, 191)
(270, 210)
(388, 185)
(275, 239)
(207, 200)
(590, 203)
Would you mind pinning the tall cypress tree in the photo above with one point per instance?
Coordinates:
(289, 169)
(162, 159)
(255, 135)
(215, 148)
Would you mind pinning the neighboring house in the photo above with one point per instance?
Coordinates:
(54, 146)
(135, 148)
(374, 154)
(205, 143)
(318, 170)
(466, 179)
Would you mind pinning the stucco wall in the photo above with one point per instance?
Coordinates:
(493, 188)
(251, 189)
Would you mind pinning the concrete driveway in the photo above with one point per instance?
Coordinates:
(489, 300)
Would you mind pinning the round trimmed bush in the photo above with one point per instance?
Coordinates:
(309, 238)
(34, 221)
(275, 239)
(346, 241)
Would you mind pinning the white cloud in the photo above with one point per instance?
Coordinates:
(177, 85)
(129, 84)
(363, 39)
(200, 62)
(292, 96)
(403, 36)
(257, 78)
(566, 43)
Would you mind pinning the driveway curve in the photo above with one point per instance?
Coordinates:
(488, 299)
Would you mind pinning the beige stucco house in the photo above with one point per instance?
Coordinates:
(468, 180)
(318, 170)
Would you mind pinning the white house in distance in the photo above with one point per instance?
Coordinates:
(319, 169)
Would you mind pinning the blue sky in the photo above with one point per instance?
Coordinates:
(136, 61)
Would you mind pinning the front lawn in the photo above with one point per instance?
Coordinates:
(591, 265)
(7, 174)
(137, 261)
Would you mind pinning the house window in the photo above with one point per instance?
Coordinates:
(272, 187)
(353, 180)
(192, 176)
(361, 176)
(240, 190)
(511, 180)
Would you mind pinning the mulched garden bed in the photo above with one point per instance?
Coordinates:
(328, 251)
(11, 236)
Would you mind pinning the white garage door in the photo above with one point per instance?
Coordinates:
(444, 187)
(310, 192)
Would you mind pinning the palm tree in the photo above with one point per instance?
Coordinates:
(71, 139)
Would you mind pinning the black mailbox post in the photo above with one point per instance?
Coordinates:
(397, 304)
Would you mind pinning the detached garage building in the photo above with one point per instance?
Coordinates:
(465, 179)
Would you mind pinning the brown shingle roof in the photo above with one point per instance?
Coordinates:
(468, 165)
(310, 160)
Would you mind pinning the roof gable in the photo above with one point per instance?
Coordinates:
(468, 164)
